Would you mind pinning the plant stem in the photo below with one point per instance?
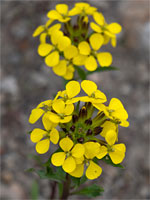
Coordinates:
(53, 190)
(66, 188)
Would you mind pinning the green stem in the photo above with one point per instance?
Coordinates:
(66, 188)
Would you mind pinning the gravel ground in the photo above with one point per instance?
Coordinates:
(26, 81)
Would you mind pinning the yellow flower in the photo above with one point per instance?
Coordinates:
(63, 112)
(72, 89)
(108, 125)
(65, 67)
(42, 138)
(61, 13)
(82, 9)
(104, 58)
(93, 170)
(115, 111)
(109, 31)
(67, 159)
(51, 51)
(115, 151)
(94, 95)
(39, 111)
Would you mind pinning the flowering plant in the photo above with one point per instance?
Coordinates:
(82, 129)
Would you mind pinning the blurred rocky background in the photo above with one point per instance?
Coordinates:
(26, 81)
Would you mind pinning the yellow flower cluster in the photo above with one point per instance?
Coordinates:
(75, 45)
(78, 124)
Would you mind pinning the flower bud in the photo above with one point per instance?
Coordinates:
(74, 118)
(97, 130)
(80, 140)
(72, 128)
(88, 121)
(89, 132)
(83, 112)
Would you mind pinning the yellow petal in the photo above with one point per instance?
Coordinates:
(74, 11)
(90, 63)
(54, 136)
(96, 41)
(62, 8)
(91, 149)
(118, 155)
(59, 106)
(113, 42)
(69, 109)
(90, 10)
(48, 23)
(89, 87)
(66, 144)
(107, 126)
(38, 31)
(52, 59)
(99, 18)
(42, 146)
(54, 117)
(63, 43)
(84, 48)
(104, 59)
(78, 150)
(69, 73)
(111, 137)
(78, 172)
(100, 95)
(124, 123)
(93, 171)
(79, 60)
(95, 27)
(53, 14)
(79, 160)
(44, 49)
(43, 38)
(56, 36)
(69, 164)
(61, 68)
(35, 115)
(114, 28)
(82, 5)
(58, 158)
(72, 88)
(70, 52)
(53, 28)
(48, 125)
(66, 119)
(37, 134)
(43, 103)
(102, 153)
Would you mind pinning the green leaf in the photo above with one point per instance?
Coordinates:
(34, 190)
(108, 160)
(91, 191)
(81, 72)
(102, 69)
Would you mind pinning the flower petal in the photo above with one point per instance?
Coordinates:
(93, 171)
(35, 115)
(42, 146)
(84, 48)
(37, 134)
(63, 43)
(114, 28)
(62, 9)
(48, 125)
(90, 63)
(99, 18)
(79, 60)
(91, 149)
(52, 59)
(54, 136)
(38, 31)
(102, 153)
(53, 14)
(66, 119)
(44, 49)
(89, 87)
(69, 164)
(107, 126)
(66, 144)
(111, 137)
(95, 27)
(54, 117)
(104, 59)
(78, 150)
(78, 172)
(73, 88)
(70, 52)
(59, 106)
(96, 41)
(61, 68)
(118, 155)
(58, 158)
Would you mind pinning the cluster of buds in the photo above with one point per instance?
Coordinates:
(83, 126)
(66, 45)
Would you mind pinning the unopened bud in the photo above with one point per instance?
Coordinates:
(88, 121)
(74, 118)
(83, 112)
(72, 128)
(64, 129)
(89, 132)
(80, 140)
(97, 130)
